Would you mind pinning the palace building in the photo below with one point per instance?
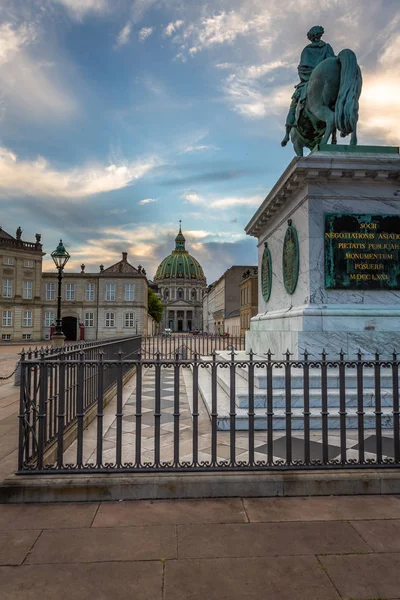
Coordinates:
(109, 303)
(181, 284)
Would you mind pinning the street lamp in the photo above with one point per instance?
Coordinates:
(60, 257)
(136, 320)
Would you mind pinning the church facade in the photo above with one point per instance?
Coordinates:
(181, 284)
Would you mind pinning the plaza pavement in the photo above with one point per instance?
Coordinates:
(324, 548)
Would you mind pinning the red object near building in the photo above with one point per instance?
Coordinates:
(81, 331)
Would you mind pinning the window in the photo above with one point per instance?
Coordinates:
(70, 291)
(50, 291)
(194, 295)
(89, 292)
(48, 318)
(129, 319)
(166, 293)
(27, 290)
(7, 318)
(129, 291)
(180, 293)
(7, 288)
(26, 336)
(27, 319)
(110, 292)
(29, 264)
(89, 319)
(7, 260)
(6, 336)
(110, 319)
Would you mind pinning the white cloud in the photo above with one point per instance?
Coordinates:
(124, 35)
(193, 198)
(144, 33)
(13, 39)
(172, 28)
(116, 211)
(236, 201)
(27, 91)
(79, 8)
(147, 201)
(39, 179)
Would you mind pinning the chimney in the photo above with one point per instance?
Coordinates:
(101, 268)
(124, 256)
(83, 268)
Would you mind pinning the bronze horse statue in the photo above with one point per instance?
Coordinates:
(331, 103)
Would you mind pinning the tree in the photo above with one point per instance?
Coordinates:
(155, 307)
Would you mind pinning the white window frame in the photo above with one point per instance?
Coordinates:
(6, 336)
(70, 291)
(109, 320)
(28, 285)
(110, 292)
(8, 260)
(89, 319)
(50, 291)
(29, 264)
(27, 318)
(49, 318)
(129, 319)
(89, 292)
(26, 336)
(7, 288)
(129, 292)
(7, 320)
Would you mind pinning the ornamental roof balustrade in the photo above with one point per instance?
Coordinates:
(7, 240)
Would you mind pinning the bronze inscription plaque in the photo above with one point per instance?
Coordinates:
(362, 251)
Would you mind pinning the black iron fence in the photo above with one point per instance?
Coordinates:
(227, 412)
(58, 386)
(187, 345)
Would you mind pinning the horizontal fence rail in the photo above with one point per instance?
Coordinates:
(230, 411)
(187, 345)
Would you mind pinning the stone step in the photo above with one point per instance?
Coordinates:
(297, 394)
(297, 382)
(279, 418)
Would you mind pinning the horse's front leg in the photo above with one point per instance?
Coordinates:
(334, 138)
(353, 138)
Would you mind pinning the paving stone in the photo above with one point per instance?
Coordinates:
(364, 577)
(381, 536)
(267, 539)
(105, 581)
(95, 545)
(322, 509)
(47, 516)
(15, 545)
(165, 512)
(278, 578)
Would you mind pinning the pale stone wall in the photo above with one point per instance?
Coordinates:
(100, 306)
(17, 273)
(232, 326)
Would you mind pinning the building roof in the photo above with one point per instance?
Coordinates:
(234, 313)
(16, 242)
(180, 264)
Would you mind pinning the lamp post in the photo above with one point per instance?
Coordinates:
(136, 324)
(60, 257)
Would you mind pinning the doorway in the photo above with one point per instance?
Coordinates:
(70, 328)
(180, 325)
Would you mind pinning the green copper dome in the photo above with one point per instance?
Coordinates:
(180, 264)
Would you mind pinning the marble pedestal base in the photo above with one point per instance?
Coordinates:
(314, 328)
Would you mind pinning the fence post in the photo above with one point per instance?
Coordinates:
(378, 408)
(42, 409)
(119, 413)
(22, 410)
(270, 410)
(195, 457)
(138, 414)
(306, 412)
(342, 408)
(288, 407)
(214, 413)
(360, 408)
(324, 411)
(396, 428)
(251, 412)
(100, 406)
(176, 409)
(232, 412)
(61, 409)
(80, 410)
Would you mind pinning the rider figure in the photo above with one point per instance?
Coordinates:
(311, 56)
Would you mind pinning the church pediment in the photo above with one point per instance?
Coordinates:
(180, 302)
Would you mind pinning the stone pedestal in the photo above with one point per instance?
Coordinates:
(58, 340)
(361, 182)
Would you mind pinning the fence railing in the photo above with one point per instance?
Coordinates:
(57, 388)
(227, 412)
(187, 345)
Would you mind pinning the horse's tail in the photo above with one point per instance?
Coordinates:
(346, 110)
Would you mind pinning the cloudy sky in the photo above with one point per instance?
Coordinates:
(120, 117)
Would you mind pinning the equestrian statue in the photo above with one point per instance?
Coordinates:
(326, 99)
